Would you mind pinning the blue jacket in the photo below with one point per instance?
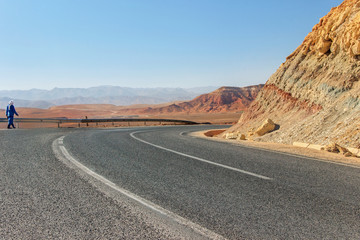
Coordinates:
(10, 111)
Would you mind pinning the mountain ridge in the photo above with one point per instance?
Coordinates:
(224, 99)
(116, 95)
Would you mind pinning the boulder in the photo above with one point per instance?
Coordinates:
(332, 147)
(300, 144)
(231, 135)
(266, 127)
(324, 46)
(336, 148)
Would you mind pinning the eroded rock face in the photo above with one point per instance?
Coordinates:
(224, 99)
(315, 94)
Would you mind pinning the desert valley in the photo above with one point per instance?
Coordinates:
(222, 106)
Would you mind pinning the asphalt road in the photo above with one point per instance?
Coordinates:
(161, 183)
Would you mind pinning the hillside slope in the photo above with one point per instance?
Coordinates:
(224, 99)
(315, 95)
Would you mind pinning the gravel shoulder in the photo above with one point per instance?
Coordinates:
(289, 149)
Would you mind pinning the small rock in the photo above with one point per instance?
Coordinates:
(348, 154)
(241, 137)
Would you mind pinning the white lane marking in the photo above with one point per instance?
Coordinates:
(200, 159)
(58, 144)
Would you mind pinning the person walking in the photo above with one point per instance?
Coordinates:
(10, 111)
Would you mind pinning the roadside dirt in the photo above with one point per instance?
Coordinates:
(284, 148)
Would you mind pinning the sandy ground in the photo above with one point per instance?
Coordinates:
(111, 111)
(288, 149)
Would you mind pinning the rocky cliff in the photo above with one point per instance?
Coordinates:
(315, 95)
(224, 99)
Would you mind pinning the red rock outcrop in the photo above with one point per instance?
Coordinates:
(315, 95)
(224, 99)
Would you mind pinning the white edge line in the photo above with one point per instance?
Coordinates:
(58, 144)
(285, 153)
(200, 159)
(298, 156)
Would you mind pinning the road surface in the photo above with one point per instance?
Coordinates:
(161, 183)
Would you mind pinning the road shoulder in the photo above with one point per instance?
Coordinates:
(288, 149)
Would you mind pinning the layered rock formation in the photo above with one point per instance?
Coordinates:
(315, 95)
(224, 99)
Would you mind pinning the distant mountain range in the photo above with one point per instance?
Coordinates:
(222, 100)
(37, 98)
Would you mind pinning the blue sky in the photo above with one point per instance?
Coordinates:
(149, 43)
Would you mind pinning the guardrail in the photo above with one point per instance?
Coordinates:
(60, 121)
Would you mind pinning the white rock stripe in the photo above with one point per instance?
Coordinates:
(58, 145)
(200, 159)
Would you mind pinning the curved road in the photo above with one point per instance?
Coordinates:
(161, 183)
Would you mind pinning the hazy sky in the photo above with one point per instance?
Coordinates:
(149, 43)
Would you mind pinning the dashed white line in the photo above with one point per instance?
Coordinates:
(200, 159)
